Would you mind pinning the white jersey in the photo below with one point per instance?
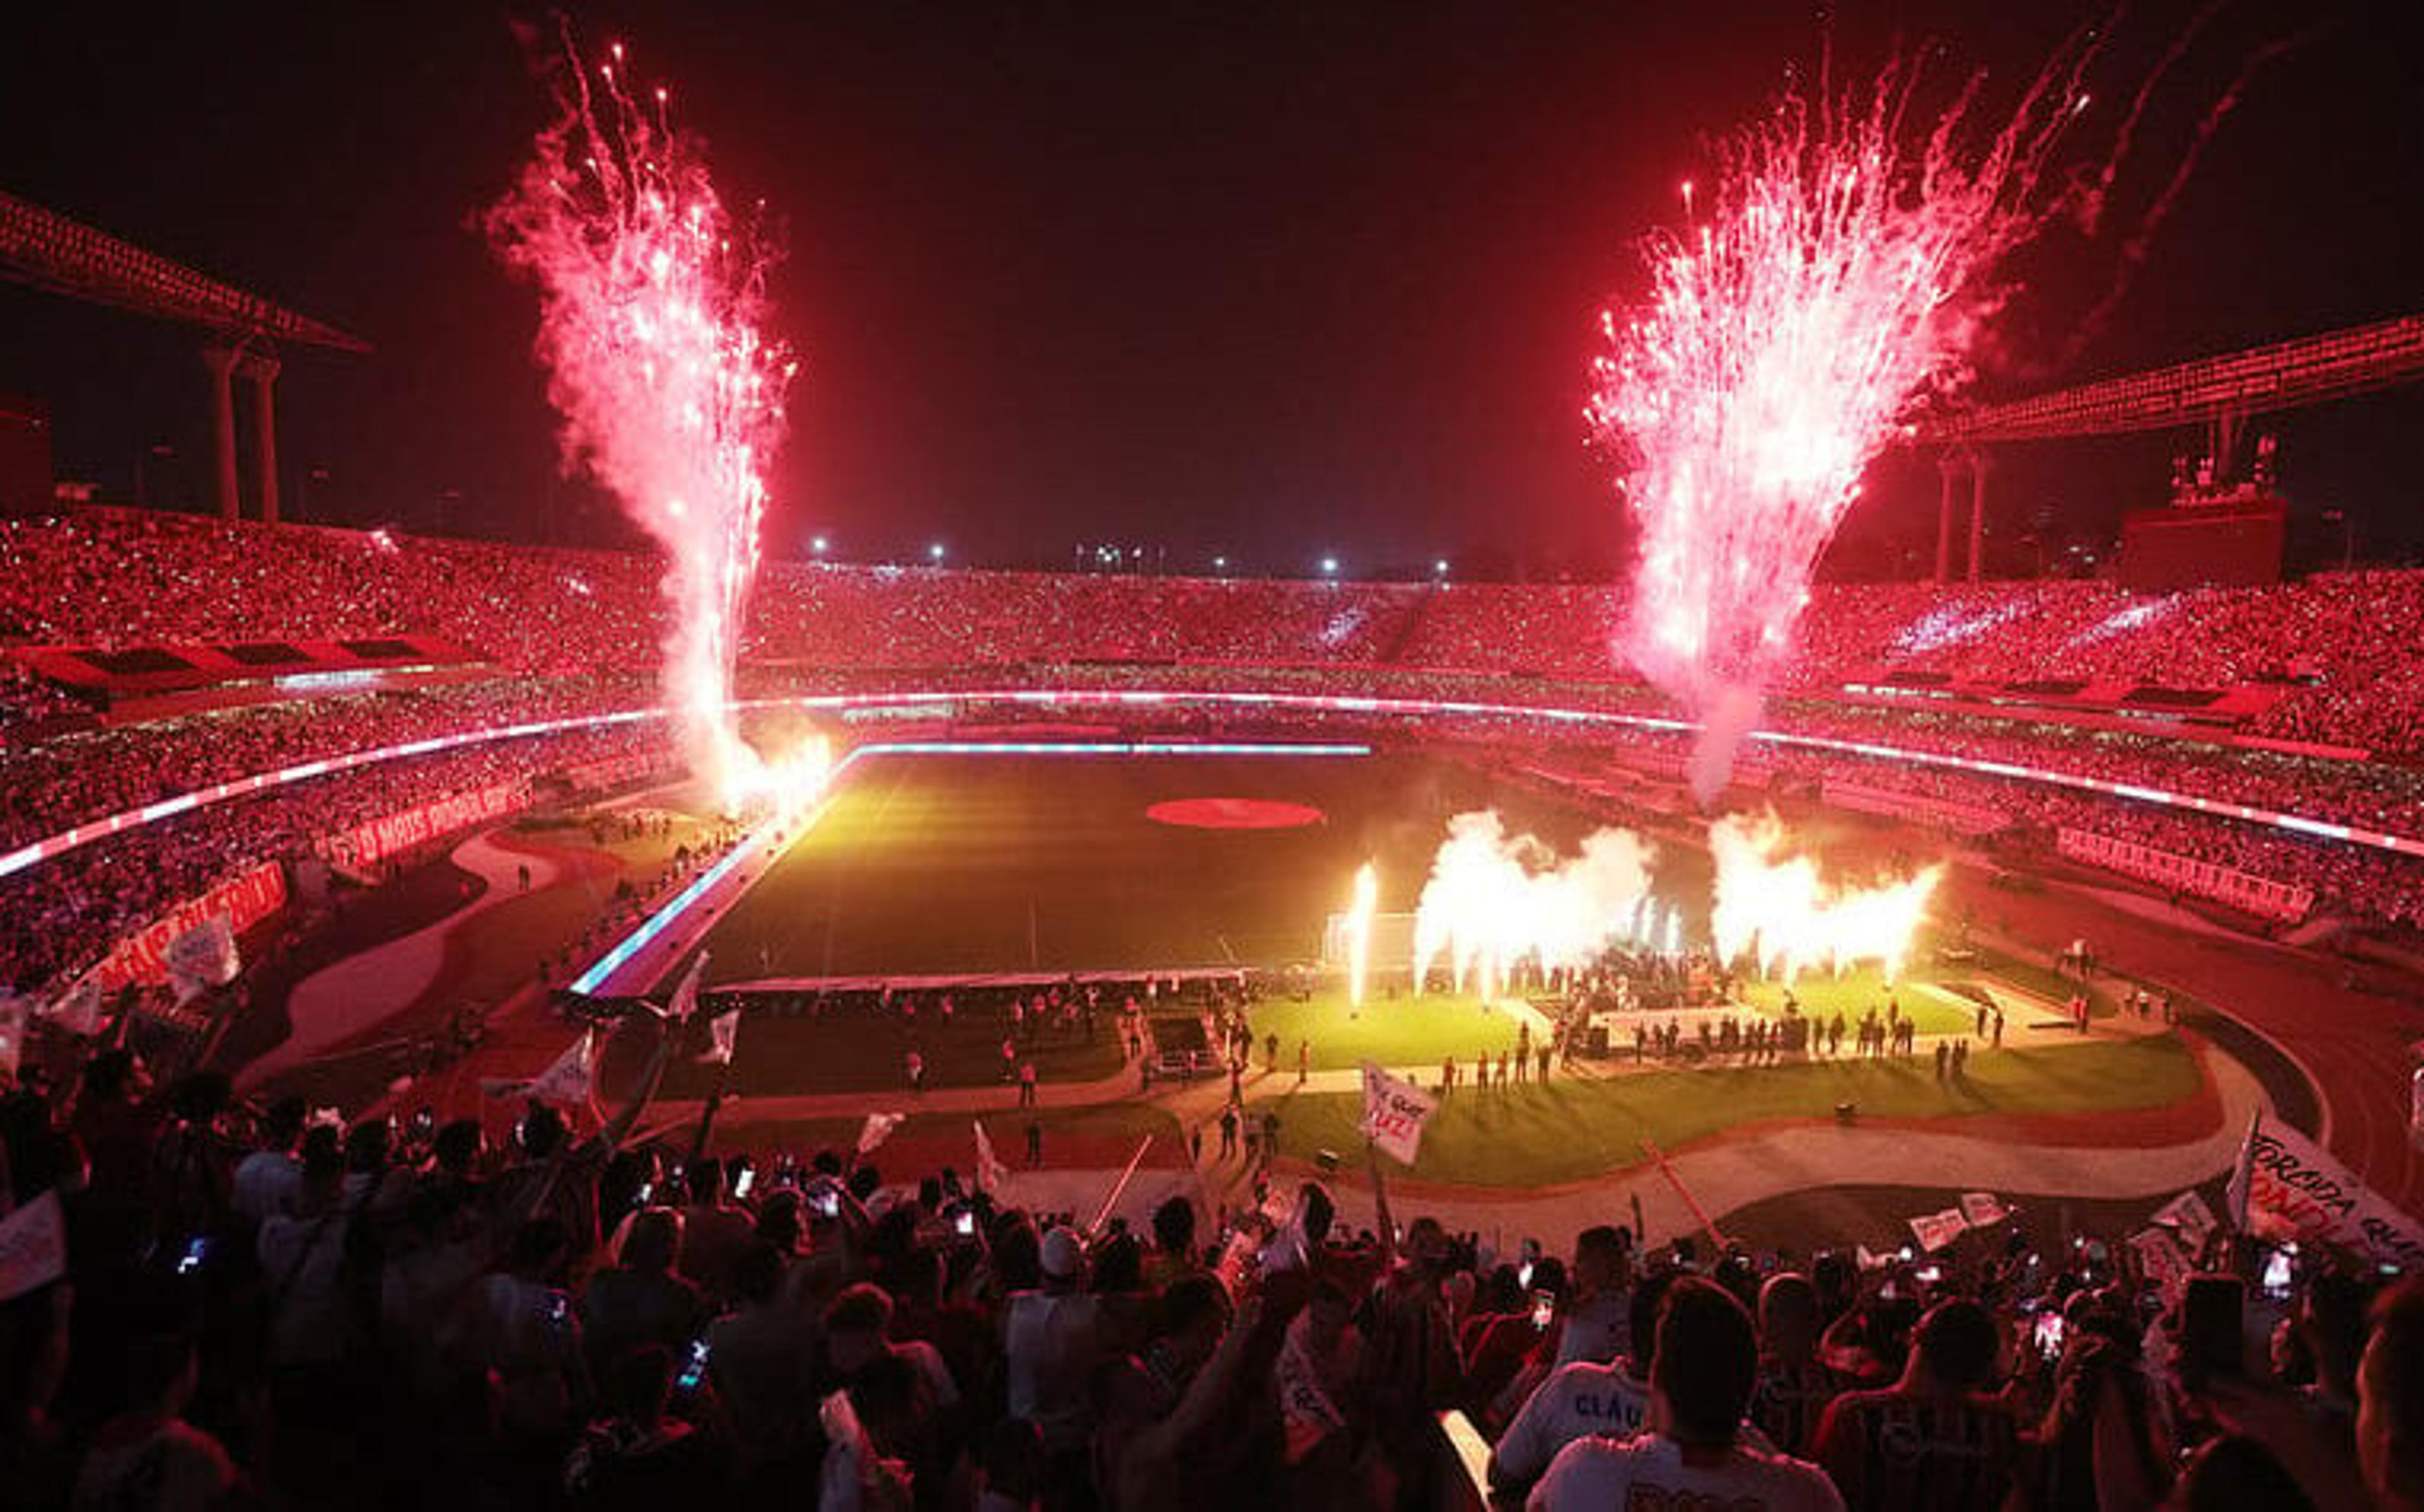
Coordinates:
(1648, 1474)
(1576, 1401)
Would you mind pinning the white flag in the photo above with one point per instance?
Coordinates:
(1395, 1111)
(1934, 1230)
(722, 1031)
(2191, 1217)
(992, 1175)
(32, 1247)
(1980, 1209)
(685, 998)
(16, 1015)
(202, 958)
(78, 1009)
(877, 1129)
(2290, 1188)
(573, 1079)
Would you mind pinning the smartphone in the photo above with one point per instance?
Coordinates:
(694, 1371)
(1523, 1274)
(826, 1202)
(559, 1311)
(743, 1182)
(2049, 1331)
(424, 1122)
(648, 1192)
(1544, 1307)
(965, 1224)
(2280, 1273)
(1930, 1274)
(198, 1248)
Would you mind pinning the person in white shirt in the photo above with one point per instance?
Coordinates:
(1051, 1342)
(1578, 1400)
(269, 1181)
(1693, 1454)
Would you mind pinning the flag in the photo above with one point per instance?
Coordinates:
(992, 1175)
(1934, 1230)
(2162, 1261)
(685, 998)
(202, 958)
(1305, 1409)
(877, 1129)
(1866, 1259)
(2290, 1188)
(722, 1030)
(78, 1010)
(1395, 1111)
(32, 1247)
(1980, 1210)
(573, 1079)
(2189, 1217)
(15, 1015)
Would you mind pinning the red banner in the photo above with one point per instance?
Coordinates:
(245, 899)
(367, 844)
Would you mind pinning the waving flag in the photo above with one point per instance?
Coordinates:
(202, 958)
(573, 1079)
(1395, 1111)
(877, 1129)
(685, 998)
(724, 1031)
(992, 1175)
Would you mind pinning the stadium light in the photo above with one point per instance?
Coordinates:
(1219, 563)
(818, 545)
(935, 552)
(1439, 569)
(1329, 566)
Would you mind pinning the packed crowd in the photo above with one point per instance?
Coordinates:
(254, 1306)
(60, 917)
(2331, 644)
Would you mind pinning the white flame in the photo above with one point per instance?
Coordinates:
(1358, 931)
(1775, 909)
(1494, 902)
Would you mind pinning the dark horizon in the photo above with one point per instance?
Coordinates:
(1248, 281)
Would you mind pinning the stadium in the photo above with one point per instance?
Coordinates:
(581, 1024)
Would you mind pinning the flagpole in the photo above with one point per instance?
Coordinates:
(1118, 1187)
(1664, 1169)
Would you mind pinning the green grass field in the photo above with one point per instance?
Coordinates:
(1410, 1031)
(1576, 1128)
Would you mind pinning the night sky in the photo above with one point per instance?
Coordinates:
(1268, 280)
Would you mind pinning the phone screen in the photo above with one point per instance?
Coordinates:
(965, 1222)
(2050, 1329)
(2279, 1275)
(694, 1371)
(747, 1178)
(1544, 1307)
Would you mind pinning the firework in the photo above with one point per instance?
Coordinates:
(1358, 931)
(1836, 277)
(652, 303)
(1495, 901)
(1773, 910)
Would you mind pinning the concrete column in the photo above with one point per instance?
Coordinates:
(1979, 467)
(1948, 468)
(262, 371)
(221, 363)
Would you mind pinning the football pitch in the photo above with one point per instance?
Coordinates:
(960, 863)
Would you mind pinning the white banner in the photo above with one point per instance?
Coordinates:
(1980, 1209)
(573, 1077)
(2244, 891)
(1934, 1230)
(202, 958)
(1395, 1111)
(2290, 1188)
(32, 1247)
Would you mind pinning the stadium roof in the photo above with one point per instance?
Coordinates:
(2282, 376)
(51, 251)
